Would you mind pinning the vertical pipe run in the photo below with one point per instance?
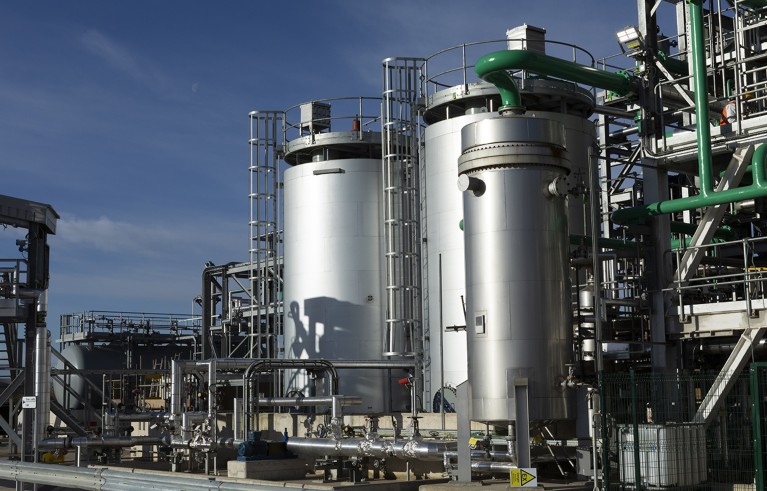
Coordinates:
(42, 383)
(700, 86)
(596, 265)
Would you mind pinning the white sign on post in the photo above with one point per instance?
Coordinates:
(28, 402)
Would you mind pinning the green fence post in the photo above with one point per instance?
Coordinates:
(635, 429)
(756, 420)
(604, 432)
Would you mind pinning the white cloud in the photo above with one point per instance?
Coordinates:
(104, 234)
(123, 60)
(152, 237)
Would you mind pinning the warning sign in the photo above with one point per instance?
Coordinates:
(526, 477)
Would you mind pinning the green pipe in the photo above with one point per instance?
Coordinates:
(493, 68)
(700, 86)
(758, 189)
(707, 196)
(673, 65)
(604, 242)
(677, 243)
(723, 232)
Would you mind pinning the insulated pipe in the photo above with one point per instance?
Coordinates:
(42, 382)
(491, 455)
(119, 441)
(489, 466)
(604, 242)
(151, 416)
(260, 365)
(103, 442)
(176, 382)
(206, 444)
(334, 402)
(362, 447)
(367, 364)
(493, 68)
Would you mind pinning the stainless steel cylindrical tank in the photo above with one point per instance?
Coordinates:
(512, 172)
(444, 240)
(333, 282)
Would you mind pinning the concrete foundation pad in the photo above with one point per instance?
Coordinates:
(268, 470)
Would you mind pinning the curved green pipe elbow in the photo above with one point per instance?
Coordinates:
(493, 68)
(758, 189)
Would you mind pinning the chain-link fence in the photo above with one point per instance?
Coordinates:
(660, 433)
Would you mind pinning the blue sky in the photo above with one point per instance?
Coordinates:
(130, 118)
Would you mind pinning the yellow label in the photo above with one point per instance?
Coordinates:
(524, 477)
(473, 441)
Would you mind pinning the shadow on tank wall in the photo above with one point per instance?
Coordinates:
(331, 329)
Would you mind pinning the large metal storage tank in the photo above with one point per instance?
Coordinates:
(517, 273)
(333, 279)
(448, 111)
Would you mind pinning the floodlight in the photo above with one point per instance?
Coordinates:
(629, 37)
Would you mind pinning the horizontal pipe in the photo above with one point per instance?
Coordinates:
(149, 416)
(119, 441)
(494, 67)
(427, 450)
(673, 65)
(489, 466)
(707, 196)
(723, 232)
(380, 364)
(309, 401)
(495, 455)
(114, 480)
(758, 189)
(604, 242)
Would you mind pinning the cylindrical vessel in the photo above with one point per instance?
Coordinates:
(84, 388)
(517, 279)
(333, 283)
(445, 290)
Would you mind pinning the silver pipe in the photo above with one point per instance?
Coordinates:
(188, 419)
(118, 441)
(42, 382)
(309, 401)
(149, 416)
(54, 443)
(426, 450)
(114, 480)
(211, 391)
(205, 444)
(363, 364)
(488, 466)
(176, 382)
